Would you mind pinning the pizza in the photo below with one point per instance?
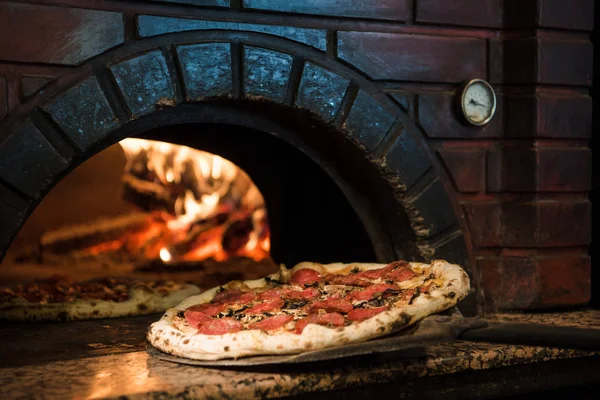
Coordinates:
(59, 299)
(309, 307)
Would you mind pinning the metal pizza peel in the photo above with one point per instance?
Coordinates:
(431, 330)
(435, 329)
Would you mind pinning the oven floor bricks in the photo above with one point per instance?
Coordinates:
(516, 190)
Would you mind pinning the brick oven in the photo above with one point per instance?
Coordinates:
(375, 81)
(353, 100)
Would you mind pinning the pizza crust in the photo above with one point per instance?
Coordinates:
(142, 300)
(184, 341)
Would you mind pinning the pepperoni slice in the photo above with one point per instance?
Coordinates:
(289, 294)
(329, 319)
(201, 313)
(400, 275)
(208, 308)
(346, 280)
(220, 326)
(264, 307)
(227, 295)
(306, 294)
(234, 297)
(360, 314)
(332, 305)
(380, 272)
(305, 276)
(372, 291)
(272, 323)
(272, 294)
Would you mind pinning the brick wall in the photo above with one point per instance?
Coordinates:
(521, 182)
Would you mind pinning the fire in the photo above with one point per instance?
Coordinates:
(202, 205)
(165, 255)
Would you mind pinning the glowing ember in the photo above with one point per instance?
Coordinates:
(203, 206)
(165, 255)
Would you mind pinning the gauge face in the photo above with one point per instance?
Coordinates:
(478, 102)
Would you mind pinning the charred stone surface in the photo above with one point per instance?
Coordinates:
(30, 171)
(206, 69)
(144, 82)
(321, 91)
(149, 25)
(436, 219)
(83, 113)
(266, 74)
(368, 122)
(407, 159)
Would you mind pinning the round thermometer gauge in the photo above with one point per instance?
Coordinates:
(478, 102)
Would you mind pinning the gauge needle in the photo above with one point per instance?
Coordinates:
(472, 101)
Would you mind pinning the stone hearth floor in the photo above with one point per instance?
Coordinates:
(132, 373)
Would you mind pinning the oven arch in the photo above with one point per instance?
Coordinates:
(125, 91)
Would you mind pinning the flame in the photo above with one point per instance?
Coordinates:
(202, 187)
(165, 255)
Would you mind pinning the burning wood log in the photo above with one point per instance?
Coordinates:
(150, 196)
(183, 181)
(237, 235)
(197, 205)
(108, 232)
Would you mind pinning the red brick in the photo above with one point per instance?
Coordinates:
(58, 35)
(511, 169)
(546, 115)
(509, 282)
(539, 169)
(539, 223)
(564, 169)
(520, 14)
(3, 98)
(466, 168)
(562, 14)
(567, 117)
(535, 281)
(565, 62)
(439, 118)
(504, 67)
(520, 116)
(565, 280)
(499, 224)
(480, 13)
(407, 57)
(547, 61)
(564, 223)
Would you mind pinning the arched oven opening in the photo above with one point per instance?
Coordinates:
(208, 202)
(164, 208)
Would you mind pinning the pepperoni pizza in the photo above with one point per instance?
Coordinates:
(60, 299)
(311, 306)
